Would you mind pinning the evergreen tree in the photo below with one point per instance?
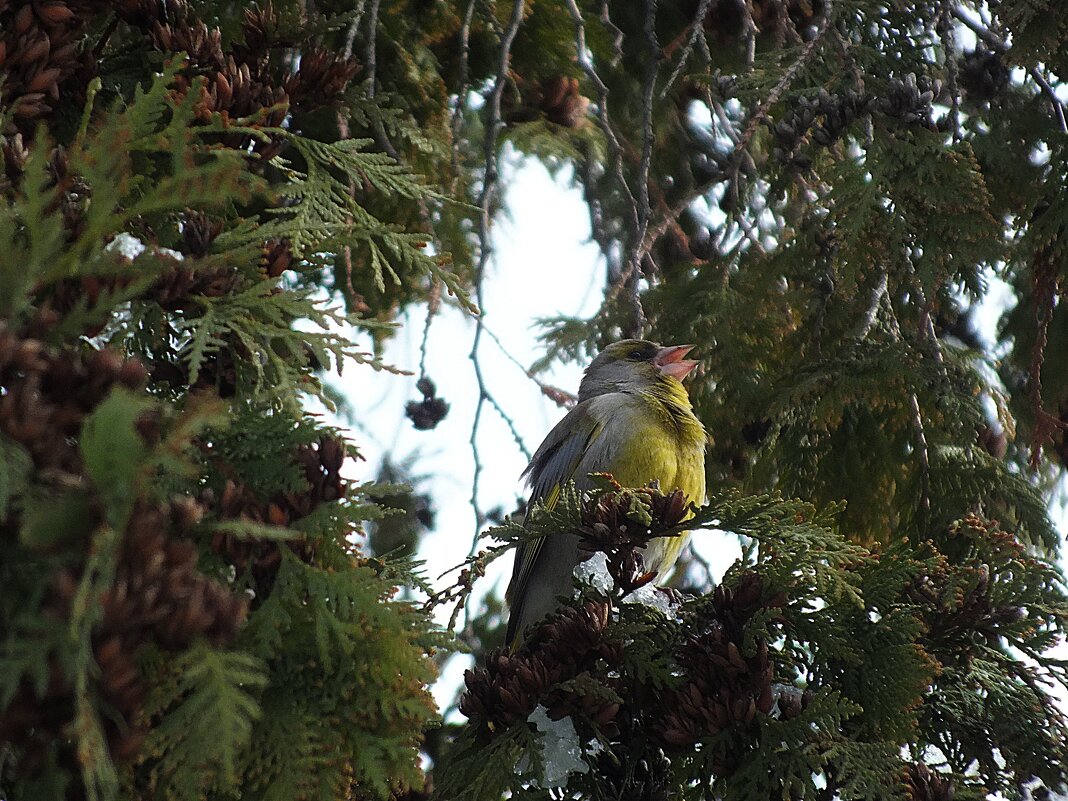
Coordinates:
(818, 192)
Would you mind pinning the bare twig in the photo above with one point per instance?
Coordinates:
(695, 31)
(638, 250)
(918, 430)
(1043, 293)
(485, 201)
(949, 45)
(615, 149)
(461, 91)
(874, 304)
(354, 28)
(433, 302)
(369, 57)
(616, 33)
(751, 32)
(555, 394)
(457, 593)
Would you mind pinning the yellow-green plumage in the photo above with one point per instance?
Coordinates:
(633, 420)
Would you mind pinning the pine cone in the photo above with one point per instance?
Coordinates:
(620, 522)
(561, 102)
(38, 51)
(511, 686)
(321, 80)
(277, 258)
(48, 393)
(724, 688)
(983, 74)
(431, 410)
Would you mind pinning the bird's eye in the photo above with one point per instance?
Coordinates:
(636, 355)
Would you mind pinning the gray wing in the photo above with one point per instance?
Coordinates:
(543, 568)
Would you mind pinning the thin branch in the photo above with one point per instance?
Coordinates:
(638, 251)
(695, 32)
(558, 396)
(615, 149)
(949, 45)
(508, 421)
(485, 201)
(616, 33)
(918, 430)
(874, 304)
(1043, 293)
(354, 28)
(461, 91)
(751, 32)
(433, 303)
(369, 56)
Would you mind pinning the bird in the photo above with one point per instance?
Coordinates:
(633, 419)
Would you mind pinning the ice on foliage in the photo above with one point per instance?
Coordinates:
(594, 571)
(559, 751)
(651, 595)
(130, 247)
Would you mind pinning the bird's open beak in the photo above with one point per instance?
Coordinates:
(671, 362)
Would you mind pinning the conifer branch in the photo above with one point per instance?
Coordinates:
(999, 45)
(761, 113)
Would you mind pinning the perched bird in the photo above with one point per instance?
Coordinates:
(633, 420)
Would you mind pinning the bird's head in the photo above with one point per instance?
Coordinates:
(635, 365)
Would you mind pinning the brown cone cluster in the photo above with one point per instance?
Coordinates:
(48, 392)
(924, 784)
(568, 645)
(322, 470)
(431, 410)
(250, 80)
(157, 596)
(620, 522)
(558, 99)
(726, 19)
(724, 688)
(39, 43)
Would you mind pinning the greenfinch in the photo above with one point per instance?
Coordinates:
(634, 420)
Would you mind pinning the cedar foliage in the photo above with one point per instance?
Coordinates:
(197, 193)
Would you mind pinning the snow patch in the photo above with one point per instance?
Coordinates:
(594, 571)
(560, 751)
(651, 595)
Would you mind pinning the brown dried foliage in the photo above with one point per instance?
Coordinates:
(48, 392)
(924, 784)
